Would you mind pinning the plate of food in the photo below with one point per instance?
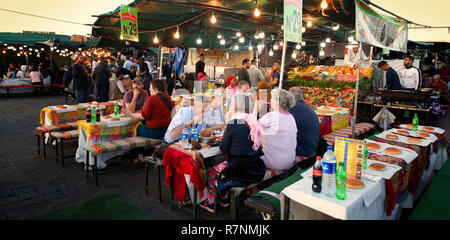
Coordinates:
(414, 140)
(107, 116)
(354, 183)
(391, 136)
(393, 151)
(373, 146)
(206, 134)
(402, 132)
(422, 135)
(115, 119)
(377, 166)
(428, 129)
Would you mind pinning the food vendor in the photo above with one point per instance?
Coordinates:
(410, 76)
(351, 56)
(392, 79)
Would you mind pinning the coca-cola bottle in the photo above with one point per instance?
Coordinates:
(317, 175)
(98, 115)
(88, 114)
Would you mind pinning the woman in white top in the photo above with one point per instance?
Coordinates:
(36, 76)
(279, 134)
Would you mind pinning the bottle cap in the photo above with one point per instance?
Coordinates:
(330, 148)
(318, 158)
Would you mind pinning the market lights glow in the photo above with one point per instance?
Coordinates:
(270, 52)
(261, 34)
(199, 41)
(155, 39)
(222, 41)
(294, 55)
(177, 34)
(213, 19)
(298, 46)
(323, 44)
(250, 48)
(275, 47)
(309, 23)
(321, 53)
(335, 27)
(303, 43)
(257, 12)
(238, 34)
(241, 39)
(219, 36)
(236, 47)
(327, 40)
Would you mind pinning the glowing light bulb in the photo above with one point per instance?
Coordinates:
(270, 52)
(236, 47)
(241, 39)
(324, 4)
(213, 19)
(121, 37)
(281, 43)
(350, 39)
(321, 53)
(335, 27)
(303, 43)
(257, 13)
(294, 55)
(323, 44)
(309, 23)
(222, 41)
(298, 46)
(250, 48)
(219, 36)
(256, 35)
(177, 35)
(199, 41)
(303, 29)
(327, 40)
(261, 34)
(275, 47)
(155, 39)
(238, 34)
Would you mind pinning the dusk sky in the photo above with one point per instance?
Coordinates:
(430, 12)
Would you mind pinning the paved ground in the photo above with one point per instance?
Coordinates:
(31, 186)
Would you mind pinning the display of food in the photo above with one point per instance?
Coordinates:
(207, 133)
(373, 146)
(391, 136)
(393, 150)
(403, 132)
(327, 96)
(422, 134)
(354, 183)
(377, 166)
(428, 129)
(414, 140)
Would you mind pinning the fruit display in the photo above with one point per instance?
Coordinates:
(316, 97)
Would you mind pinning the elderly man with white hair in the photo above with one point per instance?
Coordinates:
(307, 125)
(279, 132)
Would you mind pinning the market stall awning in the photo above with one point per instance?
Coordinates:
(33, 39)
(161, 17)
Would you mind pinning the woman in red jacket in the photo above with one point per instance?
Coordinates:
(156, 112)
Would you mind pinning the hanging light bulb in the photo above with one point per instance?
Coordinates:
(155, 39)
(294, 55)
(256, 35)
(79, 49)
(303, 43)
(121, 37)
(323, 44)
(51, 48)
(281, 43)
(199, 41)
(282, 27)
(321, 53)
(335, 27)
(236, 47)
(222, 41)
(262, 35)
(327, 40)
(24, 46)
(324, 4)
(219, 36)
(309, 23)
(275, 47)
(270, 52)
(4, 51)
(303, 29)
(36, 50)
(213, 19)
(351, 39)
(250, 48)
(238, 34)
(298, 46)
(241, 39)
(256, 13)
(20, 48)
(18, 54)
(177, 34)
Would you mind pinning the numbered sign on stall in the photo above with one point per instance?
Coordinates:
(292, 23)
(129, 23)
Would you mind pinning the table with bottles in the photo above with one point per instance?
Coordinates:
(110, 127)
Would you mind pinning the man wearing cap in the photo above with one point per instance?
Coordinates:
(135, 98)
(119, 86)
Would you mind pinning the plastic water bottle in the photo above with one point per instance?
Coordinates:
(329, 172)
(340, 102)
(341, 185)
(185, 137)
(194, 133)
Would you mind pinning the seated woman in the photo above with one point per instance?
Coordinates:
(279, 134)
(134, 99)
(232, 87)
(240, 143)
(156, 112)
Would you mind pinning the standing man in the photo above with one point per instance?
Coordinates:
(255, 75)
(101, 76)
(392, 79)
(276, 74)
(144, 73)
(200, 65)
(243, 72)
(127, 65)
(80, 80)
(410, 77)
(351, 58)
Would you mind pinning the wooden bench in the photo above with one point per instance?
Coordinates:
(125, 145)
(41, 131)
(236, 192)
(60, 138)
(361, 131)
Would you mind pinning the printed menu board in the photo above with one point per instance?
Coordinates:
(351, 152)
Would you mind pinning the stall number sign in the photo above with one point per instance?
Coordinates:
(129, 23)
(350, 151)
(292, 23)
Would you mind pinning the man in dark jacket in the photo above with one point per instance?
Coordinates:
(307, 125)
(392, 79)
(200, 65)
(80, 80)
(101, 76)
(144, 73)
(243, 72)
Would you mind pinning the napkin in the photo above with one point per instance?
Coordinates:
(384, 118)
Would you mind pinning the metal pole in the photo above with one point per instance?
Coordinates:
(355, 110)
(283, 57)
(160, 61)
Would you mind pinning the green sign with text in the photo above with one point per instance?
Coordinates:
(128, 23)
(292, 23)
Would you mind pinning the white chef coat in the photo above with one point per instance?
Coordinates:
(351, 58)
(410, 77)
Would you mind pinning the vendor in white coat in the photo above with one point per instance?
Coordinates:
(410, 76)
(351, 58)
